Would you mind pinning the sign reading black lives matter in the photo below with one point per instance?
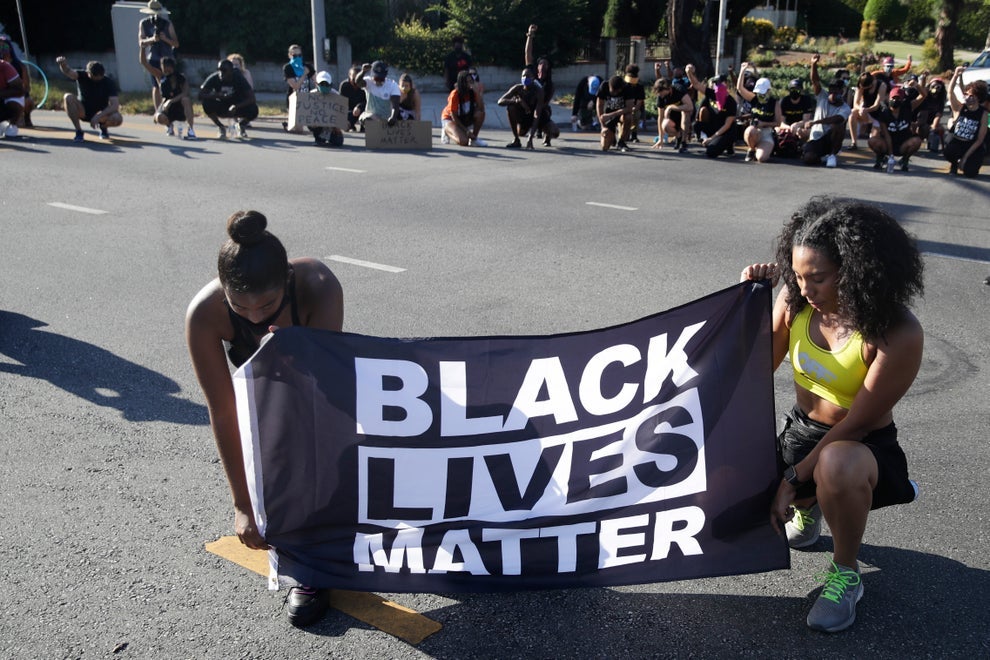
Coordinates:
(637, 453)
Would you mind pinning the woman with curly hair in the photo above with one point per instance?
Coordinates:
(258, 289)
(850, 273)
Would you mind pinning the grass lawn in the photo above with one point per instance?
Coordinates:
(901, 50)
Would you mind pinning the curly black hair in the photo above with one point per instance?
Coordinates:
(880, 268)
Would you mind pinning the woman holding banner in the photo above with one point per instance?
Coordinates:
(258, 290)
(850, 272)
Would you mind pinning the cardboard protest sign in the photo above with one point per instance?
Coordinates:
(327, 110)
(416, 135)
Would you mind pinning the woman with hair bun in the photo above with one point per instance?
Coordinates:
(258, 289)
(850, 273)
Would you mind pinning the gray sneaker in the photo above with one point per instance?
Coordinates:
(835, 608)
(805, 527)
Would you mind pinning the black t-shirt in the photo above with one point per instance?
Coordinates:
(898, 126)
(765, 110)
(615, 101)
(353, 93)
(234, 91)
(171, 86)
(455, 62)
(719, 115)
(95, 94)
(795, 109)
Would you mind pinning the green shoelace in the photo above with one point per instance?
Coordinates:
(837, 581)
(802, 517)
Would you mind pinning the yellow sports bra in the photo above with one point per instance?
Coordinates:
(835, 376)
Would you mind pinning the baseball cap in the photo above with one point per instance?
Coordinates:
(379, 69)
(594, 83)
(762, 86)
(888, 62)
(837, 83)
(324, 77)
(796, 83)
(897, 93)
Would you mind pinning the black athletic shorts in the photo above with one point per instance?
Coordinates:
(801, 434)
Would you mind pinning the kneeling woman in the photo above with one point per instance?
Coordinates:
(850, 272)
(258, 290)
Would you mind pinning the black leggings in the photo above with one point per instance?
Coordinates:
(957, 148)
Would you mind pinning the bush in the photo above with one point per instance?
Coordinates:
(784, 37)
(756, 32)
(415, 47)
(868, 35)
(889, 16)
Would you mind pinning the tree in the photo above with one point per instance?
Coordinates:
(689, 44)
(495, 30)
(624, 18)
(945, 33)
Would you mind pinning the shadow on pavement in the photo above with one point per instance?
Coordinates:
(92, 373)
(915, 605)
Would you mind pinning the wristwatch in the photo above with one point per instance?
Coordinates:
(791, 477)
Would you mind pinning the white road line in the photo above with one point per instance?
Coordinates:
(366, 264)
(81, 209)
(346, 169)
(612, 206)
(955, 258)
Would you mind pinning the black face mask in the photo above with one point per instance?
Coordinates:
(795, 94)
(895, 104)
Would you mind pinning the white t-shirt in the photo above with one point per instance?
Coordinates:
(823, 110)
(380, 96)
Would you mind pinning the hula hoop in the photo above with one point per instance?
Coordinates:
(44, 79)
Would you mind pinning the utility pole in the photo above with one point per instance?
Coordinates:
(319, 34)
(24, 37)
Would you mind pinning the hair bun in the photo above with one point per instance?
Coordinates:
(247, 227)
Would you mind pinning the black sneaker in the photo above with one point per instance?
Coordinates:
(104, 133)
(751, 155)
(953, 168)
(904, 163)
(622, 146)
(731, 151)
(880, 162)
(306, 605)
(515, 144)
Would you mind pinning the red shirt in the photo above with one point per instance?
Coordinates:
(8, 75)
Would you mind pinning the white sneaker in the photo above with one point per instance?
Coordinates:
(3, 129)
(169, 131)
(444, 138)
(191, 135)
(831, 161)
(478, 142)
(11, 130)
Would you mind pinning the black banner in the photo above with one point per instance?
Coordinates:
(638, 453)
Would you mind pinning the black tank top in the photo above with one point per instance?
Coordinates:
(246, 340)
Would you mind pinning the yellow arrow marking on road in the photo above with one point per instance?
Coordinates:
(402, 622)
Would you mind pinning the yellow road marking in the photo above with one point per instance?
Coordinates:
(392, 618)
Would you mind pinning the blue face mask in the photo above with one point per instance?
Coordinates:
(525, 81)
(297, 65)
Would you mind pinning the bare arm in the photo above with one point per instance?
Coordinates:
(740, 88)
(530, 35)
(210, 364)
(816, 82)
(954, 102)
(64, 68)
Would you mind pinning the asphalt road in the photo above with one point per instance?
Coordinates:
(110, 481)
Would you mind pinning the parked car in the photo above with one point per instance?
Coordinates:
(979, 69)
